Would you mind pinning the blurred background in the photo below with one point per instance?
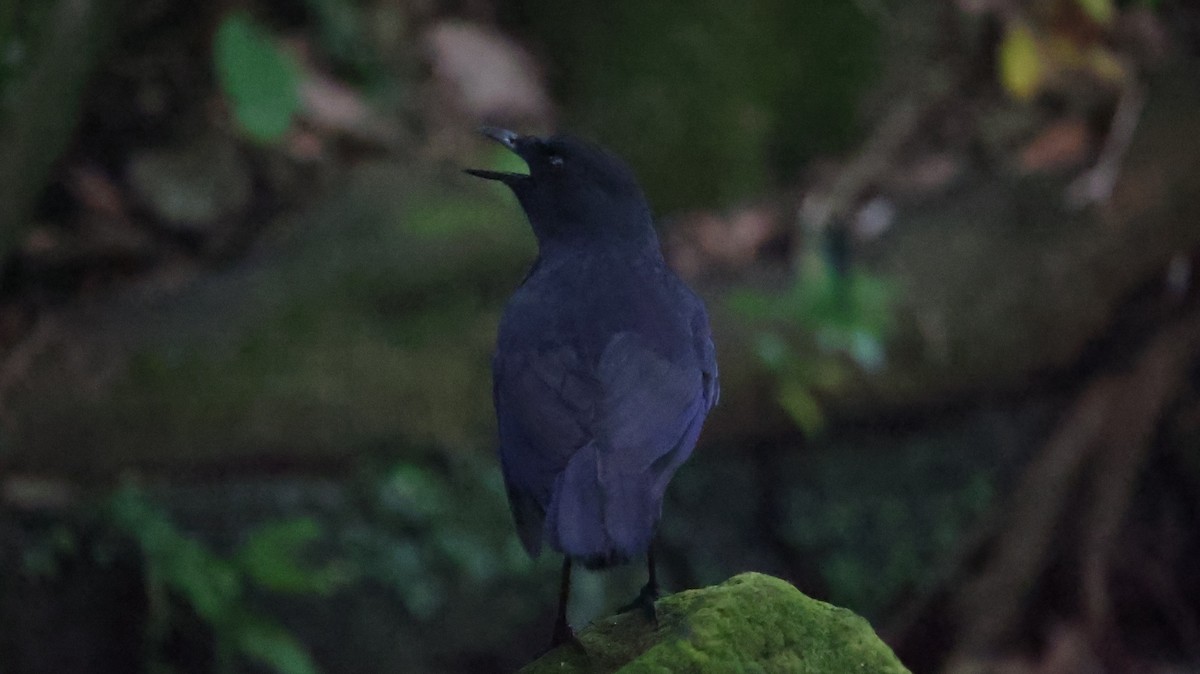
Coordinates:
(248, 301)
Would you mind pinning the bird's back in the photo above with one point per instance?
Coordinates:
(603, 375)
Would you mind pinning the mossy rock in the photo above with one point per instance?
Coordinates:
(364, 323)
(750, 623)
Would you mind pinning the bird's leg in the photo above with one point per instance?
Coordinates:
(649, 594)
(562, 629)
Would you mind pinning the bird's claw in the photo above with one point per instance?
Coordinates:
(563, 634)
(645, 602)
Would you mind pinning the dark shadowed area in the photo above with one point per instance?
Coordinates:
(248, 303)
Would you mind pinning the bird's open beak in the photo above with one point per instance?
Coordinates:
(509, 140)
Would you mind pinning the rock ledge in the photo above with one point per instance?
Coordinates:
(750, 623)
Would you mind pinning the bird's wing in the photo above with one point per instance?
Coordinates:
(593, 445)
(707, 353)
(648, 402)
(545, 400)
(608, 499)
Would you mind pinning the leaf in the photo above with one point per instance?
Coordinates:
(801, 406)
(772, 350)
(206, 582)
(1100, 11)
(271, 556)
(271, 645)
(415, 491)
(1105, 64)
(1060, 144)
(1021, 67)
(867, 351)
(259, 79)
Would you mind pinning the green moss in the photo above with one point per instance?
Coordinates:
(341, 381)
(750, 623)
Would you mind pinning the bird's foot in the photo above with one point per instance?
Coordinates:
(645, 602)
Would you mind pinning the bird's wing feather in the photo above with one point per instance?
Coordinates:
(599, 440)
(707, 353)
(544, 399)
(648, 401)
(653, 409)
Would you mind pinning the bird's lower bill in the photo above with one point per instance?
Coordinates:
(502, 176)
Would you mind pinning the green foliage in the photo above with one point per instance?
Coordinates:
(430, 529)
(1020, 64)
(880, 520)
(48, 51)
(813, 332)
(181, 571)
(265, 642)
(710, 101)
(415, 547)
(257, 76)
(12, 47)
(21, 27)
(340, 30)
(272, 558)
(1101, 11)
(43, 556)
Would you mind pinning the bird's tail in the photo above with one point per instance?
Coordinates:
(601, 518)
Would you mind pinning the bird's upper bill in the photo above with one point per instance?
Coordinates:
(509, 139)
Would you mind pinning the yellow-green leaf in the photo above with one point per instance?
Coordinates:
(1020, 61)
(1100, 11)
(1106, 65)
(801, 406)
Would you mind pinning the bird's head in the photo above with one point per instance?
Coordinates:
(574, 191)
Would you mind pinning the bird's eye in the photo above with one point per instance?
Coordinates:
(555, 161)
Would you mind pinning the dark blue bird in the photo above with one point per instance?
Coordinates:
(604, 368)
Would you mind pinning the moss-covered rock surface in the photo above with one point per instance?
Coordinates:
(750, 623)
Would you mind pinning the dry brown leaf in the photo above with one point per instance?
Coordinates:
(924, 174)
(96, 191)
(40, 240)
(706, 239)
(488, 75)
(1068, 651)
(332, 105)
(1063, 144)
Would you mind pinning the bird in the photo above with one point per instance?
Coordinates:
(604, 369)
